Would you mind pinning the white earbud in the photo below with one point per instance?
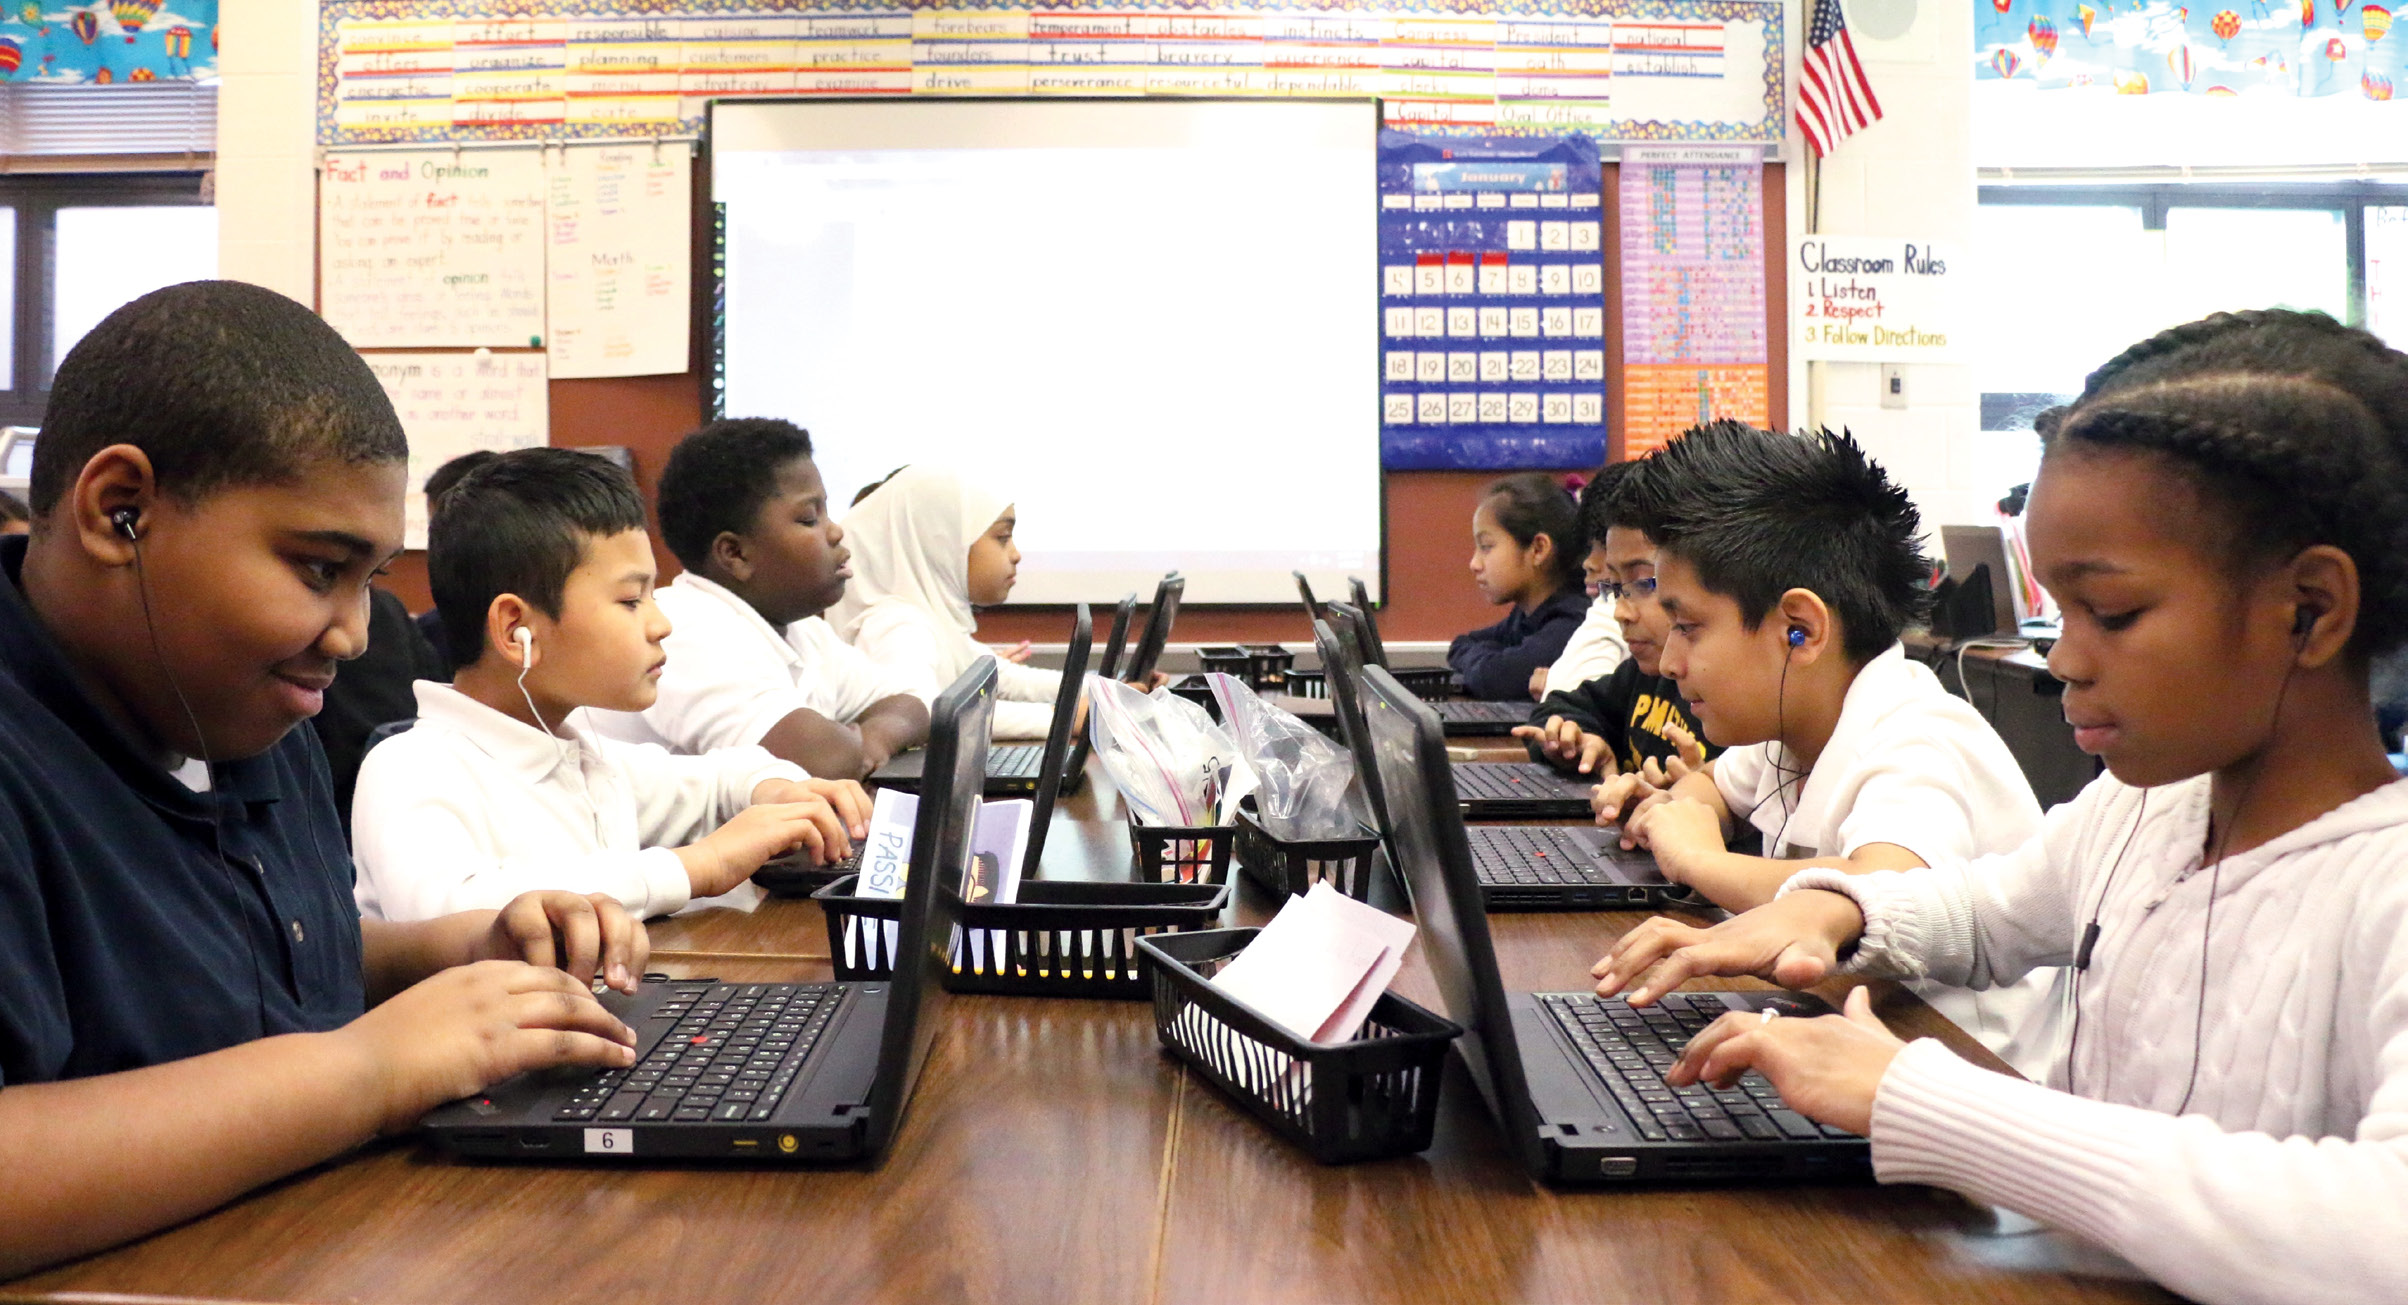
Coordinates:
(525, 639)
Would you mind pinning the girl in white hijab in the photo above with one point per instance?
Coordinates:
(927, 544)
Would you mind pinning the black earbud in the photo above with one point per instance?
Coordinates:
(126, 519)
(2303, 620)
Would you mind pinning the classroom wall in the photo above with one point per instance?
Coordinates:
(1910, 173)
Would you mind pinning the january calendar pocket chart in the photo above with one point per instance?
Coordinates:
(1492, 313)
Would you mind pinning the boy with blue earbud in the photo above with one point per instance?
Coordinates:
(540, 555)
(2222, 516)
(1786, 568)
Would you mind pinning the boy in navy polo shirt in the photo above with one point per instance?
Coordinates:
(189, 1005)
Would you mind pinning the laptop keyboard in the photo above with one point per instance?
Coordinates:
(1629, 1048)
(1509, 780)
(1507, 855)
(1020, 761)
(1482, 712)
(729, 1058)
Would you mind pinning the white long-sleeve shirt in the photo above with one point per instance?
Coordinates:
(1912, 765)
(906, 639)
(732, 676)
(2287, 1179)
(469, 808)
(1597, 647)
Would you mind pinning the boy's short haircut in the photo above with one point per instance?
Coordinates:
(1759, 514)
(220, 384)
(520, 524)
(440, 481)
(718, 478)
(1598, 513)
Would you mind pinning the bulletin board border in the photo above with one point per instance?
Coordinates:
(1769, 131)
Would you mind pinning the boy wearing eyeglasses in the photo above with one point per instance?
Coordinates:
(1629, 728)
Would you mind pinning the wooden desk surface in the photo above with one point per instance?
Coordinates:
(1053, 1152)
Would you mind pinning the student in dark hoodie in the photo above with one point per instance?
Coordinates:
(1526, 551)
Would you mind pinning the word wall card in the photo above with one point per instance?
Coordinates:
(1492, 303)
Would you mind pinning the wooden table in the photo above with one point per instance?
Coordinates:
(1053, 1153)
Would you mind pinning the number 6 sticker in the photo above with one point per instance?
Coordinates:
(610, 1141)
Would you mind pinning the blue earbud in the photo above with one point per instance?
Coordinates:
(1797, 637)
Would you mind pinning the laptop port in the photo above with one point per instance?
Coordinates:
(1618, 1166)
(534, 1142)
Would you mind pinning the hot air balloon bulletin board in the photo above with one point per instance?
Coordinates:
(108, 43)
(2204, 47)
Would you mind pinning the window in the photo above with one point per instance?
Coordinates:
(2067, 276)
(78, 247)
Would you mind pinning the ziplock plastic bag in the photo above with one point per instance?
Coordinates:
(1304, 784)
(1173, 765)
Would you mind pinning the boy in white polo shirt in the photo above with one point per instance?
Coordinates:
(540, 556)
(1788, 566)
(750, 660)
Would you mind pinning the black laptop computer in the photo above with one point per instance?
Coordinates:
(1491, 790)
(1575, 1081)
(1520, 867)
(1464, 717)
(1018, 769)
(1304, 590)
(1158, 624)
(767, 1072)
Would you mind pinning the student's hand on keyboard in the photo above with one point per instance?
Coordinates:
(1017, 653)
(1565, 746)
(731, 853)
(1679, 830)
(1619, 798)
(582, 936)
(1827, 1068)
(849, 799)
(471, 1026)
(1792, 940)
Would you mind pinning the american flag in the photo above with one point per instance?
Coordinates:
(1834, 99)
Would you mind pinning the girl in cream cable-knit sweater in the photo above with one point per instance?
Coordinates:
(2223, 516)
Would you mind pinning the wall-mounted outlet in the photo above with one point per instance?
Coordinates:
(1893, 385)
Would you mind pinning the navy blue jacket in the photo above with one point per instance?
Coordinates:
(1496, 662)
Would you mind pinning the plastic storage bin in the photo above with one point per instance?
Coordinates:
(1063, 938)
(1368, 1099)
(1182, 854)
(1293, 867)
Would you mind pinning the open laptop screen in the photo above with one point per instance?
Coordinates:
(940, 850)
(1057, 737)
(1426, 840)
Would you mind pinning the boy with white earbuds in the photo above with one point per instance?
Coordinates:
(500, 788)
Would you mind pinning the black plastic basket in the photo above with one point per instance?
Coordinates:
(1293, 867)
(1228, 659)
(1182, 854)
(1198, 690)
(1267, 667)
(1367, 1099)
(1062, 938)
(1307, 684)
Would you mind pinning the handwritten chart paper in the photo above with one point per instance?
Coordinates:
(1693, 329)
(433, 249)
(618, 221)
(1670, 70)
(455, 403)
